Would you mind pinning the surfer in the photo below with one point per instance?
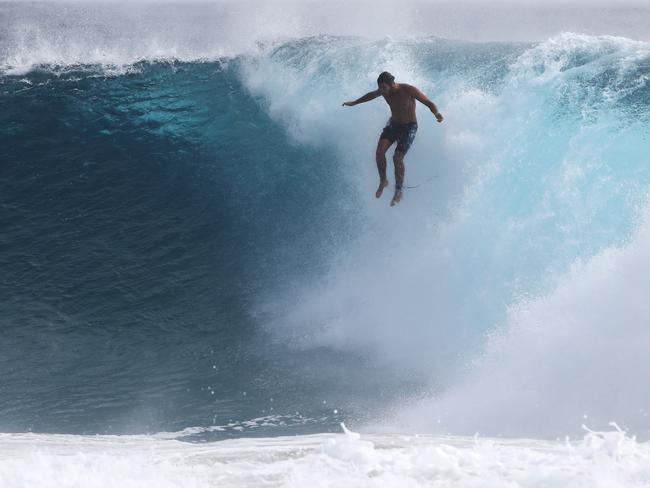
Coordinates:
(401, 126)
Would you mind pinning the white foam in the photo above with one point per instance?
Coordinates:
(121, 33)
(578, 352)
(601, 459)
(242, 425)
(544, 173)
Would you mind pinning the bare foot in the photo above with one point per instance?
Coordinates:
(380, 190)
(397, 197)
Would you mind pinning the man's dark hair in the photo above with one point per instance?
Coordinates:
(386, 77)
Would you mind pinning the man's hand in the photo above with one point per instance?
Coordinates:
(348, 104)
(439, 116)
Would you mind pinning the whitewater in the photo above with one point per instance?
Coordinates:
(200, 289)
(600, 460)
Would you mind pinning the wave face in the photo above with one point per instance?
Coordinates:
(190, 236)
(143, 214)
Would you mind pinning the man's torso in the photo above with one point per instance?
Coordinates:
(402, 104)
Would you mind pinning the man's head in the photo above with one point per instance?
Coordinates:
(385, 82)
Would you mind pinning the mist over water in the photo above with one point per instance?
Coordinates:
(540, 166)
(114, 32)
(205, 250)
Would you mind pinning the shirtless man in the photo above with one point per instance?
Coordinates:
(401, 126)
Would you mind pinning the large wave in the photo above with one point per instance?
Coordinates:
(528, 210)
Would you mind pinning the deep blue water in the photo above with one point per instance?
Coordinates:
(192, 241)
(141, 214)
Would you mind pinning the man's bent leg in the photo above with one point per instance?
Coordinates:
(380, 156)
(398, 160)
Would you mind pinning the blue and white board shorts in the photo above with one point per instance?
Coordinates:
(402, 133)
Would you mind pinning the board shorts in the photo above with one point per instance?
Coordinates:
(402, 133)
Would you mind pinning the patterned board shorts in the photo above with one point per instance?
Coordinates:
(402, 133)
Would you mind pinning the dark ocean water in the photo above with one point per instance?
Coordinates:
(190, 238)
(141, 216)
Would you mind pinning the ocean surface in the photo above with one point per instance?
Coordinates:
(197, 285)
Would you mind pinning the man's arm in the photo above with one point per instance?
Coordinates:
(366, 98)
(422, 98)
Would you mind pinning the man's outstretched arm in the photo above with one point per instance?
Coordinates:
(366, 98)
(422, 98)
